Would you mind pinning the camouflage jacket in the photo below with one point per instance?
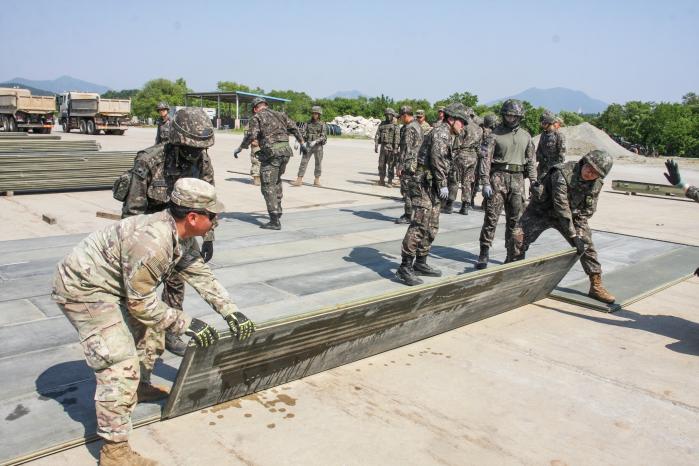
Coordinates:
(434, 156)
(153, 177)
(550, 151)
(468, 143)
(410, 141)
(270, 127)
(508, 146)
(426, 127)
(162, 134)
(693, 193)
(315, 131)
(388, 135)
(566, 196)
(126, 262)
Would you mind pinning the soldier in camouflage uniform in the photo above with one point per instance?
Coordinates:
(153, 178)
(316, 136)
(551, 149)
(490, 121)
(426, 127)
(410, 141)
(465, 156)
(427, 185)
(106, 287)
(508, 158)
(565, 199)
(271, 129)
(673, 177)
(388, 136)
(162, 134)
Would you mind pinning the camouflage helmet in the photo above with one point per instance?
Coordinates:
(406, 110)
(162, 106)
(456, 110)
(600, 160)
(192, 127)
(469, 111)
(440, 109)
(390, 111)
(490, 120)
(257, 101)
(477, 120)
(420, 112)
(547, 118)
(512, 107)
(317, 109)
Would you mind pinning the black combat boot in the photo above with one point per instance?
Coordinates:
(447, 207)
(405, 272)
(464, 209)
(483, 258)
(421, 268)
(273, 222)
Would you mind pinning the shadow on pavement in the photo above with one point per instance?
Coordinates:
(370, 215)
(381, 263)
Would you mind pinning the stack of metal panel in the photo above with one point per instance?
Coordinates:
(32, 145)
(47, 163)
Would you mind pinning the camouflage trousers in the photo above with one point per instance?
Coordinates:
(317, 153)
(387, 163)
(254, 163)
(508, 192)
(534, 222)
(407, 202)
(273, 163)
(121, 351)
(424, 223)
(463, 176)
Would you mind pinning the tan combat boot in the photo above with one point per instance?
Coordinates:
(256, 180)
(147, 392)
(598, 291)
(121, 454)
(298, 182)
(316, 182)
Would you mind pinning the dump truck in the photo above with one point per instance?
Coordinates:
(22, 111)
(91, 114)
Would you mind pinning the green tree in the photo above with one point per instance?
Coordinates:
(466, 98)
(145, 101)
(230, 86)
(123, 94)
(299, 109)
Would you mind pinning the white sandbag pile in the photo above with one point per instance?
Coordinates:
(357, 125)
(582, 138)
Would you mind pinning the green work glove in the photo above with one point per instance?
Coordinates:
(241, 326)
(673, 174)
(203, 333)
(207, 250)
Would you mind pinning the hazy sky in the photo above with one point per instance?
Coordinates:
(613, 51)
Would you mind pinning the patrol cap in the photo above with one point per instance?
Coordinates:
(406, 110)
(257, 101)
(420, 113)
(196, 194)
(440, 109)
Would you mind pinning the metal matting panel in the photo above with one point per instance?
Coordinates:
(639, 187)
(307, 344)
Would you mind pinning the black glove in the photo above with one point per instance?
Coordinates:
(579, 245)
(207, 250)
(237, 151)
(673, 173)
(240, 326)
(203, 334)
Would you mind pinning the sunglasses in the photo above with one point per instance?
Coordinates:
(211, 215)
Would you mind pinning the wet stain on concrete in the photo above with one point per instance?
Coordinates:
(357, 388)
(220, 416)
(289, 416)
(248, 415)
(282, 410)
(271, 426)
(212, 423)
(19, 411)
(226, 405)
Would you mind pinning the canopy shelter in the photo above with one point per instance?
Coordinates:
(230, 97)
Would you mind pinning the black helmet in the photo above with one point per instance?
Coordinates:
(192, 127)
(512, 107)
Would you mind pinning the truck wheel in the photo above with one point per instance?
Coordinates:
(82, 126)
(91, 127)
(12, 124)
(4, 124)
(65, 127)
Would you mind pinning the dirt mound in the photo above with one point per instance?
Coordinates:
(582, 138)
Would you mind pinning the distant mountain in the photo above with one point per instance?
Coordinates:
(559, 98)
(31, 89)
(62, 84)
(353, 94)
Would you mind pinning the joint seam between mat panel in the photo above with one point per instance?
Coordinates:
(585, 372)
